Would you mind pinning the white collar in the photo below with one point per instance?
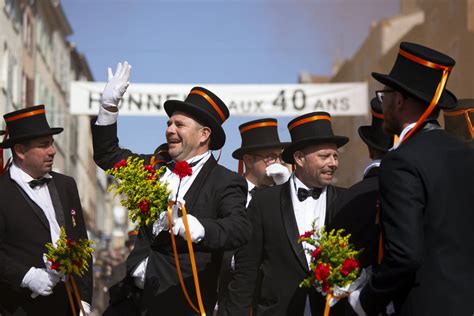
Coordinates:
(374, 164)
(250, 185)
(18, 174)
(405, 131)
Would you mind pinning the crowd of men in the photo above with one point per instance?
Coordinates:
(411, 213)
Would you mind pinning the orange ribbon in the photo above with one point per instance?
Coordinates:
(439, 88)
(240, 169)
(309, 119)
(191, 257)
(378, 115)
(257, 125)
(211, 102)
(23, 115)
(464, 112)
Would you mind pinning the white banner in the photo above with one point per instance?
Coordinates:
(242, 99)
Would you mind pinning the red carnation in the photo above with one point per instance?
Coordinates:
(143, 205)
(321, 272)
(349, 265)
(182, 169)
(307, 234)
(316, 253)
(121, 163)
(326, 287)
(71, 243)
(54, 265)
(149, 168)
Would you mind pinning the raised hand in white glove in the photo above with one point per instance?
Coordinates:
(116, 86)
(40, 282)
(196, 230)
(278, 172)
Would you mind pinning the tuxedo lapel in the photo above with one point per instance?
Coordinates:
(36, 209)
(58, 208)
(331, 196)
(193, 193)
(291, 226)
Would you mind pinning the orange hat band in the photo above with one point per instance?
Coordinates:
(309, 119)
(23, 115)
(211, 102)
(378, 115)
(257, 125)
(466, 116)
(422, 61)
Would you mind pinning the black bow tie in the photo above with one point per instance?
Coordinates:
(253, 191)
(38, 182)
(303, 194)
(172, 164)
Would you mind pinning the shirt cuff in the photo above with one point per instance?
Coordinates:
(27, 277)
(106, 117)
(87, 307)
(355, 303)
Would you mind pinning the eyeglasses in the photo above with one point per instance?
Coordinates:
(381, 93)
(269, 158)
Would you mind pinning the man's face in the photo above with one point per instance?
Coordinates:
(390, 123)
(185, 136)
(36, 156)
(257, 162)
(316, 164)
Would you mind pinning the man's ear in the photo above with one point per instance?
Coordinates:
(19, 150)
(299, 158)
(205, 133)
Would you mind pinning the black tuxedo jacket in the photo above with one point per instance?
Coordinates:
(358, 216)
(274, 247)
(427, 216)
(24, 231)
(217, 199)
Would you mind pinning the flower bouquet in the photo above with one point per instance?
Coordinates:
(68, 258)
(334, 264)
(146, 196)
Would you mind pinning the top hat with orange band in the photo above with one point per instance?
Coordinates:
(374, 135)
(309, 129)
(258, 134)
(460, 120)
(27, 123)
(206, 108)
(417, 72)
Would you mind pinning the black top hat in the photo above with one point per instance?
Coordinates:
(206, 108)
(459, 121)
(27, 123)
(417, 72)
(258, 134)
(374, 135)
(309, 129)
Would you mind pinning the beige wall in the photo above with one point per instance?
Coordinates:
(442, 25)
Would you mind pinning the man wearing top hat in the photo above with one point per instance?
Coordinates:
(214, 196)
(260, 154)
(35, 203)
(459, 121)
(426, 197)
(359, 212)
(281, 214)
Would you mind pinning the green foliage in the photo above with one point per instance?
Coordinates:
(146, 196)
(333, 251)
(70, 256)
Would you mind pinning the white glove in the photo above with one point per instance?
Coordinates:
(116, 86)
(39, 282)
(87, 309)
(196, 230)
(278, 172)
(355, 303)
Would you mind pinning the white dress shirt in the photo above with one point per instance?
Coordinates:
(307, 212)
(250, 187)
(39, 195)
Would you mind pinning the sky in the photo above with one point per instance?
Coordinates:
(210, 41)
